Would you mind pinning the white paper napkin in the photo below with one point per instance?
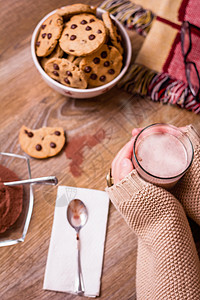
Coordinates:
(62, 256)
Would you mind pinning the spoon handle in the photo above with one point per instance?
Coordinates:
(41, 180)
(79, 286)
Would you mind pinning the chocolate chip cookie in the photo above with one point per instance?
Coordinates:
(114, 32)
(50, 32)
(57, 53)
(70, 57)
(83, 35)
(102, 66)
(78, 60)
(66, 72)
(67, 11)
(42, 143)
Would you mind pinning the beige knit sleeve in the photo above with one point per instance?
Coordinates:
(167, 261)
(187, 190)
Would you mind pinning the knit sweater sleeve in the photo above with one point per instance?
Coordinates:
(167, 261)
(187, 190)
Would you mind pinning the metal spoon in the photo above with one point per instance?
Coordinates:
(77, 215)
(41, 180)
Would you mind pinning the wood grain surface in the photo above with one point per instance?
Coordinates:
(96, 129)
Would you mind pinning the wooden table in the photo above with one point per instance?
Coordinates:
(103, 124)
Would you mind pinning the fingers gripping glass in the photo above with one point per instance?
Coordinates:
(191, 71)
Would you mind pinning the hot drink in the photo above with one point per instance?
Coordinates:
(162, 154)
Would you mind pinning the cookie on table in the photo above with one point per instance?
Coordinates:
(83, 35)
(102, 66)
(50, 32)
(75, 9)
(114, 32)
(42, 143)
(65, 72)
(57, 53)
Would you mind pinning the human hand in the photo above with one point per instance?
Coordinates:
(122, 164)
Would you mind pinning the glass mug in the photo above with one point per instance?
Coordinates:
(162, 154)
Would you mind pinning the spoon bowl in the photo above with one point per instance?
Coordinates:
(77, 214)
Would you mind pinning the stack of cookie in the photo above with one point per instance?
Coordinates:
(78, 49)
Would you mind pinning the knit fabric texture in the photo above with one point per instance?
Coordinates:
(187, 190)
(167, 261)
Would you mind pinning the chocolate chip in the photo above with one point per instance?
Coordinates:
(43, 35)
(73, 26)
(52, 145)
(111, 71)
(113, 23)
(96, 60)
(99, 31)
(71, 50)
(87, 69)
(49, 35)
(30, 134)
(50, 22)
(37, 44)
(118, 40)
(91, 37)
(72, 37)
(104, 54)
(43, 26)
(69, 73)
(92, 20)
(118, 32)
(55, 73)
(66, 80)
(83, 22)
(57, 132)
(106, 64)
(38, 147)
(102, 78)
(56, 67)
(93, 76)
(67, 34)
(88, 28)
